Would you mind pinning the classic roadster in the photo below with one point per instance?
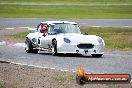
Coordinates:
(63, 37)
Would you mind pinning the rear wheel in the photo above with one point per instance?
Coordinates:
(54, 48)
(97, 55)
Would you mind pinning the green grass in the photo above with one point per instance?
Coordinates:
(2, 86)
(69, 1)
(115, 38)
(113, 86)
(21, 35)
(69, 76)
(64, 11)
(60, 78)
(7, 85)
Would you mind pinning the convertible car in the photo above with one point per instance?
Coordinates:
(63, 37)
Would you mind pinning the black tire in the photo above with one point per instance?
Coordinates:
(97, 55)
(80, 80)
(29, 47)
(54, 48)
(35, 51)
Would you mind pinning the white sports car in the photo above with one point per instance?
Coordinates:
(63, 37)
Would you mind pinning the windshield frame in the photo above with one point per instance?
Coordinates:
(64, 28)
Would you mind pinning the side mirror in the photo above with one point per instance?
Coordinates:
(44, 34)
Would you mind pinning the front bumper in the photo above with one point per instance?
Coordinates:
(69, 48)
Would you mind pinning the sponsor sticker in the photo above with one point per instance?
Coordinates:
(83, 78)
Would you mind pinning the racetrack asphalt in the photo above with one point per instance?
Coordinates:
(33, 22)
(118, 62)
(111, 62)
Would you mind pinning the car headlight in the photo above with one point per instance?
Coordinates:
(100, 40)
(67, 40)
(34, 40)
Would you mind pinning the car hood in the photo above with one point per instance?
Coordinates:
(80, 38)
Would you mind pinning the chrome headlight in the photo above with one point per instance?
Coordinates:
(66, 40)
(34, 40)
(100, 40)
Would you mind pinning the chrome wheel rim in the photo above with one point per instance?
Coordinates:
(53, 50)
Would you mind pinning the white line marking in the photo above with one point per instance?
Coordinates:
(9, 28)
(24, 27)
(28, 65)
(64, 70)
(32, 29)
(127, 26)
(96, 26)
(65, 4)
(74, 71)
(45, 67)
(29, 28)
(38, 66)
(52, 68)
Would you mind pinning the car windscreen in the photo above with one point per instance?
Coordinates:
(64, 28)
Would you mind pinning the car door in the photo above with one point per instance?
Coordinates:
(43, 38)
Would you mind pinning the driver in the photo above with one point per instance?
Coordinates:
(44, 28)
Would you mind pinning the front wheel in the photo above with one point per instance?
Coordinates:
(54, 48)
(97, 55)
(29, 47)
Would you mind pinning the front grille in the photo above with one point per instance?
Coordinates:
(85, 46)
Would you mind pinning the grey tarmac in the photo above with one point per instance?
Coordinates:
(118, 62)
(33, 22)
(111, 62)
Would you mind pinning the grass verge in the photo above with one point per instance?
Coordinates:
(70, 1)
(67, 77)
(115, 38)
(21, 35)
(2, 86)
(65, 11)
